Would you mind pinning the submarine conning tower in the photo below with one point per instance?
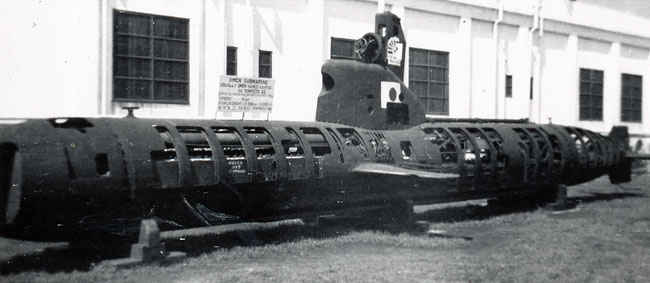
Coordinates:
(368, 92)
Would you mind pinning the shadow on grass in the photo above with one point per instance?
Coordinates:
(83, 256)
(474, 212)
(595, 197)
(74, 256)
(338, 226)
(480, 212)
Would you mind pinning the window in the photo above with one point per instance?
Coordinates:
(429, 79)
(231, 61)
(150, 58)
(342, 48)
(631, 93)
(508, 85)
(265, 64)
(530, 89)
(591, 95)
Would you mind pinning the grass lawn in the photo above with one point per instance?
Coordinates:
(605, 238)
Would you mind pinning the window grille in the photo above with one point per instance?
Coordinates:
(342, 48)
(150, 58)
(591, 95)
(231, 61)
(429, 79)
(631, 97)
(508, 85)
(265, 61)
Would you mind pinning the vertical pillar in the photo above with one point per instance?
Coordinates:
(460, 102)
(317, 52)
(612, 88)
(536, 72)
(104, 107)
(498, 74)
(533, 55)
(574, 84)
(246, 63)
(218, 31)
(504, 69)
(202, 42)
(517, 106)
(645, 99)
(539, 79)
(498, 79)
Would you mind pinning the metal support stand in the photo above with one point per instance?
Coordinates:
(559, 201)
(409, 212)
(399, 213)
(130, 110)
(312, 221)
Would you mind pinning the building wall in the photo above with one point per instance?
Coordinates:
(49, 61)
(293, 32)
(57, 55)
(557, 73)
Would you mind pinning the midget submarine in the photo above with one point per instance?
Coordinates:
(370, 147)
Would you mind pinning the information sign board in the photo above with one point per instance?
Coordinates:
(238, 94)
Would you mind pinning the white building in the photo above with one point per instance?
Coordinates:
(583, 62)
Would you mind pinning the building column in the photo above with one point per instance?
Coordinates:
(246, 62)
(217, 21)
(536, 102)
(645, 99)
(533, 55)
(317, 55)
(105, 81)
(460, 105)
(502, 69)
(612, 87)
(202, 42)
(516, 107)
(574, 85)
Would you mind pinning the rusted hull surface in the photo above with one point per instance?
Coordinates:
(71, 170)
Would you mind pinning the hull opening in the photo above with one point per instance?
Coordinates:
(10, 183)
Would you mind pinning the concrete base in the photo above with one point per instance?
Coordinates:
(148, 249)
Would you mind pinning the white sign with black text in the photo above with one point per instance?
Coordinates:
(237, 94)
(394, 50)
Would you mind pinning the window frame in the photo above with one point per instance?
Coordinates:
(231, 60)
(334, 40)
(635, 104)
(260, 64)
(588, 109)
(531, 88)
(508, 86)
(431, 66)
(152, 79)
